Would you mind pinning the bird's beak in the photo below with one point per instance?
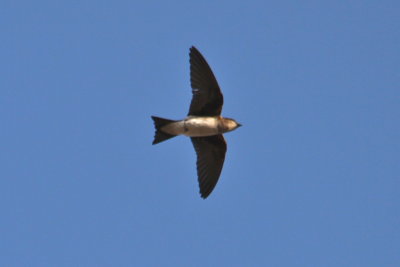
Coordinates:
(239, 125)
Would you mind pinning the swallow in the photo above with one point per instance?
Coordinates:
(203, 124)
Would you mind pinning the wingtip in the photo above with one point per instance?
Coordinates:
(193, 49)
(204, 196)
(205, 193)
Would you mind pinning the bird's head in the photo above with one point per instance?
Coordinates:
(230, 124)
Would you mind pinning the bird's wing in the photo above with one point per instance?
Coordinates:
(210, 152)
(207, 98)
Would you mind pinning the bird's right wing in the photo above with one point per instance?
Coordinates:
(207, 98)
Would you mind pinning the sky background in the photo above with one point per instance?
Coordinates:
(311, 179)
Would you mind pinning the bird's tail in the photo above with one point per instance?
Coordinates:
(160, 135)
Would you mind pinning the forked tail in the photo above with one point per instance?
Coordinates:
(160, 135)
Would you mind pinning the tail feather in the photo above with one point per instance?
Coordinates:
(161, 136)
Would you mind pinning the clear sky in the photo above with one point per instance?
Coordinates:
(311, 179)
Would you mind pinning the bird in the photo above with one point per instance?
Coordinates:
(204, 124)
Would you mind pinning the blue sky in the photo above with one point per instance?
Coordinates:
(311, 179)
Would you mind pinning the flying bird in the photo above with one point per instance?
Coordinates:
(203, 124)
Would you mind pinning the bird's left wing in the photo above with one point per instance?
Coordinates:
(210, 152)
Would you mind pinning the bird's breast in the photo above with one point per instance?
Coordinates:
(200, 126)
(194, 126)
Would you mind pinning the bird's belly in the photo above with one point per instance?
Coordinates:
(193, 127)
(200, 126)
